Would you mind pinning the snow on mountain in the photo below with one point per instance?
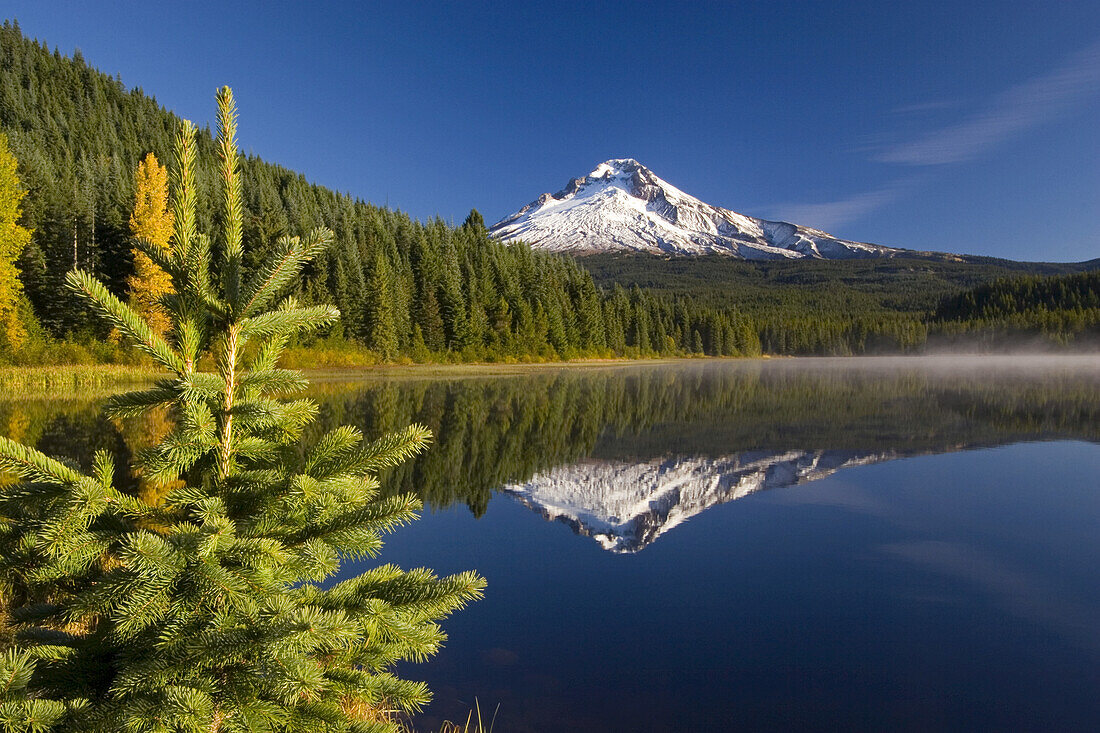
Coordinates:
(626, 506)
(622, 206)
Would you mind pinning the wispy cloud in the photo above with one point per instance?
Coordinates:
(934, 105)
(837, 493)
(1024, 594)
(1010, 113)
(831, 214)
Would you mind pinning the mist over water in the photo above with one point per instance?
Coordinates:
(1035, 364)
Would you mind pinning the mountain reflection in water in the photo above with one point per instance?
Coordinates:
(625, 453)
(626, 506)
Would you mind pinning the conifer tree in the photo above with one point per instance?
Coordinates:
(13, 238)
(430, 320)
(206, 610)
(150, 222)
(474, 220)
(380, 328)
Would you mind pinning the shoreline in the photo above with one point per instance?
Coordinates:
(89, 381)
(93, 379)
(493, 369)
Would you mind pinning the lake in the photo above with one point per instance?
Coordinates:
(812, 544)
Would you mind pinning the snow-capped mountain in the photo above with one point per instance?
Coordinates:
(626, 506)
(622, 206)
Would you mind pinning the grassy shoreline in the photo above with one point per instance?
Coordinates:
(92, 379)
(483, 369)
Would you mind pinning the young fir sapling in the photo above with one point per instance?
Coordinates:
(203, 605)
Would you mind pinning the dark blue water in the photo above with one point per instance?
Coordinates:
(803, 544)
(953, 592)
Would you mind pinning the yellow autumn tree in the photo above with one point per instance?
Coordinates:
(13, 238)
(152, 222)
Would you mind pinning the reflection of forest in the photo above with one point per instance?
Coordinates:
(494, 431)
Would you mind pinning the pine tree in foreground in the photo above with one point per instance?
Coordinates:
(206, 609)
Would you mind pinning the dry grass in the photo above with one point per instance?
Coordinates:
(463, 370)
(87, 380)
(337, 355)
(332, 366)
(474, 723)
(471, 722)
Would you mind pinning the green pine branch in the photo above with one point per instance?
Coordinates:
(202, 605)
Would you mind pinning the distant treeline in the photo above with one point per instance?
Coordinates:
(1062, 309)
(404, 288)
(906, 303)
(1009, 297)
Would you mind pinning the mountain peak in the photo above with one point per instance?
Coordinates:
(622, 206)
(616, 167)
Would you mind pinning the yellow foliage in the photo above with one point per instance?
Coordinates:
(152, 222)
(13, 239)
(144, 432)
(18, 423)
(16, 429)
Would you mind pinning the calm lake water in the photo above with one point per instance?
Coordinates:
(813, 544)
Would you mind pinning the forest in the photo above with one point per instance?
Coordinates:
(911, 302)
(421, 290)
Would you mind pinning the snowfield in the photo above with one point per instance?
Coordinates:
(622, 206)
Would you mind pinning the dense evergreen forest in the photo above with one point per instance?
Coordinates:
(761, 289)
(404, 288)
(1008, 297)
(428, 291)
(874, 305)
(1063, 309)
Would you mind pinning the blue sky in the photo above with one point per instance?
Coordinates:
(957, 126)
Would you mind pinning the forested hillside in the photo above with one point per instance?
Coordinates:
(876, 305)
(425, 290)
(1008, 297)
(766, 289)
(1063, 308)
